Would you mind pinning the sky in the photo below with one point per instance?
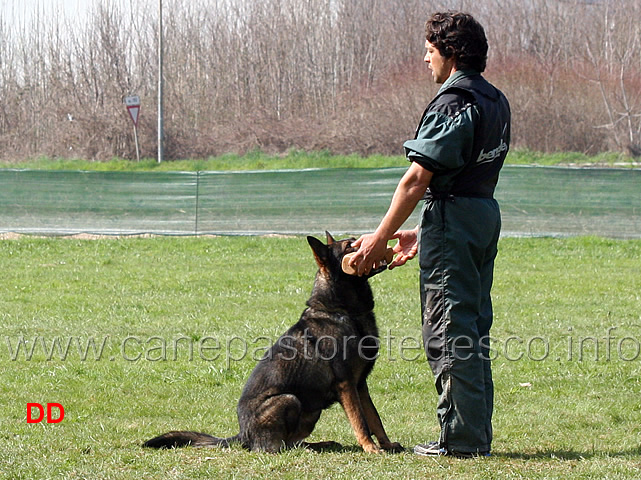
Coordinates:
(24, 10)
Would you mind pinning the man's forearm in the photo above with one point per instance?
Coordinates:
(408, 193)
(372, 247)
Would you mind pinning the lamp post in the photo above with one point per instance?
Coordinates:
(160, 84)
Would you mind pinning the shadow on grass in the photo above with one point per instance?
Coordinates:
(567, 454)
(334, 447)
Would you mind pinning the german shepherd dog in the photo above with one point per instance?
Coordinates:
(323, 359)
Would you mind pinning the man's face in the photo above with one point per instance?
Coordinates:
(441, 67)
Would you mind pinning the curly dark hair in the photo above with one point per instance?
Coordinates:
(458, 35)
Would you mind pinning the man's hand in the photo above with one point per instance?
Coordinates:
(371, 252)
(372, 249)
(406, 248)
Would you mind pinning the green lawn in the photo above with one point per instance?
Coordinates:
(176, 325)
(296, 159)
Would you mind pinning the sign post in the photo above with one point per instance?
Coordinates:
(161, 120)
(133, 107)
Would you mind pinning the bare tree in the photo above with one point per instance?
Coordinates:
(343, 75)
(614, 53)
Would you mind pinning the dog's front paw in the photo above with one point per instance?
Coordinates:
(372, 448)
(394, 447)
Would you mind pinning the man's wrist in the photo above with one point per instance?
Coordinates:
(382, 234)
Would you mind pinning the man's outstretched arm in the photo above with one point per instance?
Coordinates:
(410, 189)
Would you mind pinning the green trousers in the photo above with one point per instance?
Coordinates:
(457, 247)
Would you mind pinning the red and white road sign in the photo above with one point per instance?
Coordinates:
(133, 107)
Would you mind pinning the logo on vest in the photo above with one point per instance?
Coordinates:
(492, 154)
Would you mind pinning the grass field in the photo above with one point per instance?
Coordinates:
(137, 336)
(295, 159)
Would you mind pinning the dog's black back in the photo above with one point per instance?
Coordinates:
(323, 359)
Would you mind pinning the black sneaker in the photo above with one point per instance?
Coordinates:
(434, 449)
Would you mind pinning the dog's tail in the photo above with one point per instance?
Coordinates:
(186, 439)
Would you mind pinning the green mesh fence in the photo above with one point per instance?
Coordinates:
(534, 201)
(570, 201)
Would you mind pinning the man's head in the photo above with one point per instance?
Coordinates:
(457, 41)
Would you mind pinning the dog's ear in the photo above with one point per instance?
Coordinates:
(321, 252)
(330, 239)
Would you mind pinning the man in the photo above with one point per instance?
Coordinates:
(459, 148)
